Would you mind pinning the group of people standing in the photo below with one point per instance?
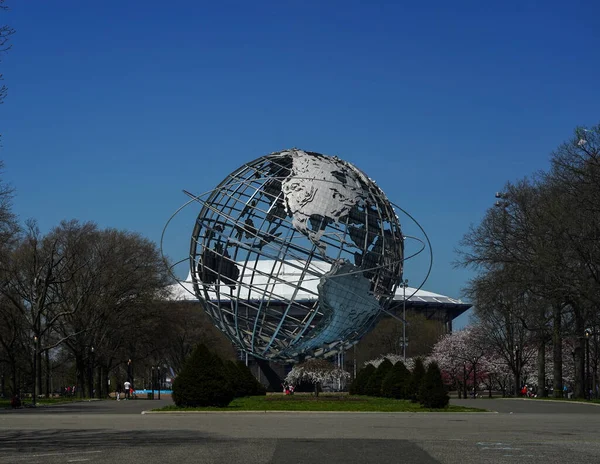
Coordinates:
(288, 389)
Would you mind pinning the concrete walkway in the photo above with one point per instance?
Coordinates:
(529, 406)
(108, 406)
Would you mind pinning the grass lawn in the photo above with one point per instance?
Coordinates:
(300, 402)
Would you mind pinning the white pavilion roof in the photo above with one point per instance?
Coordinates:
(284, 287)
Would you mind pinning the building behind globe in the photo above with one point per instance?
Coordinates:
(295, 254)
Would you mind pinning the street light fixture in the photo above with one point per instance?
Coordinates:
(404, 284)
(502, 201)
(582, 141)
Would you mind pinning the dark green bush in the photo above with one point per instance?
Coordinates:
(203, 381)
(416, 379)
(433, 391)
(358, 385)
(242, 380)
(235, 379)
(251, 386)
(395, 384)
(373, 387)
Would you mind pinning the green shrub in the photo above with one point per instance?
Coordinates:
(373, 387)
(203, 381)
(416, 379)
(235, 379)
(433, 391)
(251, 386)
(358, 385)
(395, 384)
(243, 381)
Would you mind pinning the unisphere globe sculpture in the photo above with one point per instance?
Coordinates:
(295, 254)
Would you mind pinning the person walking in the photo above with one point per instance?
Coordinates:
(118, 392)
(127, 386)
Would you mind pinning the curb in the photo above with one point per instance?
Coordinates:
(550, 400)
(317, 412)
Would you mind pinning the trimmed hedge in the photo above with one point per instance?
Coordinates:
(250, 386)
(396, 382)
(433, 391)
(416, 379)
(203, 381)
(358, 385)
(243, 381)
(373, 386)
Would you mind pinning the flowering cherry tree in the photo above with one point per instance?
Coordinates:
(461, 356)
(317, 372)
(391, 357)
(468, 357)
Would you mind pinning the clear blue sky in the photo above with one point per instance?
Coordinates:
(114, 107)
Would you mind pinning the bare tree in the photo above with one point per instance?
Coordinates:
(12, 350)
(544, 242)
(8, 221)
(110, 301)
(184, 325)
(5, 33)
(34, 269)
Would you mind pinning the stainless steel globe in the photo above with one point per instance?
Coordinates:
(295, 254)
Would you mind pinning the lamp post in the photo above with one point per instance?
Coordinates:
(129, 371)
(517, 370)
(588, 389)
(35, 350)
(152, 382)
(91, 372)
(404, 284)
(474, 378)
(465, 380)
(159, 381)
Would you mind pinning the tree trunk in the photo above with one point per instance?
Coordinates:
(13, 377)
(557, 353)
(579, 357)
(38, 375)
(316, 389)
(80, 366)
(517, 372)
(100, 391)
(105, 371)
(48, 374)
(578, 354)
(541, 368)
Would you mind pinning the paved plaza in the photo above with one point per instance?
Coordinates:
(519, 431)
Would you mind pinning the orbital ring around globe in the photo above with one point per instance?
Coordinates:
(295, 255)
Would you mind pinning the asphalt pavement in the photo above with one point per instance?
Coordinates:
(110, 406)
(519, 431)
